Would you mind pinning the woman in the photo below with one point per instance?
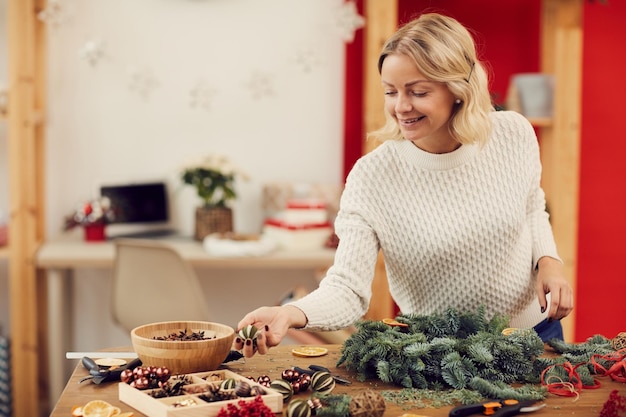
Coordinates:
(452, 197)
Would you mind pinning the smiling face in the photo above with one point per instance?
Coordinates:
(422, 108)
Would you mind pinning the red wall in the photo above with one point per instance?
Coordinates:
(509, 46)
(601, 292)
(353, 101)
(508, 36)
(506, 33)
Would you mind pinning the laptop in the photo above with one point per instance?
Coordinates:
(141, 210)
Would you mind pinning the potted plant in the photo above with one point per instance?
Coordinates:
(213, 177)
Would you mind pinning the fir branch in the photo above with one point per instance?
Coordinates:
(441, 351)
(528, 341)
(472, 323)
(408, 398)
(497, 389)
(416, 365)
(455, 377)
(480, 354)
(333, 405)
(595, 344)
(382, 370)
(418, 379)
(417, 350)
(497, 324)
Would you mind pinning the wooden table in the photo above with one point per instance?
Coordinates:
(61, 256)
(279, 358)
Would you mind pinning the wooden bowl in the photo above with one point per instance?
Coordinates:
(182, 356)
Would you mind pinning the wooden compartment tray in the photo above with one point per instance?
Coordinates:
(143, 401)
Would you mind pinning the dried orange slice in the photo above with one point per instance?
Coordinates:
(77, 411)
(99, 408)
(110, 362)
(509, 331)
(309, 351)
(394, 323)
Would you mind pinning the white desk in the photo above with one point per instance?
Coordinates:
(59, 257)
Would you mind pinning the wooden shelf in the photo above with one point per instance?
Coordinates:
(540, 121)
(513, 103)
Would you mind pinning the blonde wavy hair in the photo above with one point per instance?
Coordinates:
(444, 51)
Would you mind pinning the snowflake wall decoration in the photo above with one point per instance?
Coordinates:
(201, 96)
(349, 21)
(54, 14)
(260, 85)
(92, 52)
(142, 81)
(306, 59)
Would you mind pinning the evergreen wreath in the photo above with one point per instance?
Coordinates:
(453, 350)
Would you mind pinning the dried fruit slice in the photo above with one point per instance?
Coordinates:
(110, 362)
(394, 323)
(509, 331)
(309, 351)
(77, 411)
(99, 408)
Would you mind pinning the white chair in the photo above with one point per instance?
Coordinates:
(152, 283)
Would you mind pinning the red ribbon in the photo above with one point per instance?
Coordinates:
(569, 388)
(617, 371)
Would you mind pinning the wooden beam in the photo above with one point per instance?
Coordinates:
(381, 21)
(26, 102)
(561, 55)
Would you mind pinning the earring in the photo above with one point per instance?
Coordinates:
(458, 101)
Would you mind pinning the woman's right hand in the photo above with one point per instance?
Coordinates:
(273, 324)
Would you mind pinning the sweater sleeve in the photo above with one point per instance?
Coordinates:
(543, 243)
(344, 293)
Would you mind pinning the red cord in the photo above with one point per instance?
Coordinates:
(617, 371)
(569, 388)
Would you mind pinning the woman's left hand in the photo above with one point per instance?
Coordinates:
(551, 279)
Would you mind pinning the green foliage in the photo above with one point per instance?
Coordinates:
(480, 353)
(458, 352)
(559, 370)
(213, 187)
(594, 345)
(443, 351)
(213, 177)
(579, 354)
(498, 389)
(410, 398)
(333, 405)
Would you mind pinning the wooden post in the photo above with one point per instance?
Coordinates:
(561, 55)
(381, 17)
(26, 155)
(381, 21)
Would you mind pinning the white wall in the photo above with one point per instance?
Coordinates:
(100, 129)
(274, 70)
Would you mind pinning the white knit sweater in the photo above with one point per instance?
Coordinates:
(458, 230)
